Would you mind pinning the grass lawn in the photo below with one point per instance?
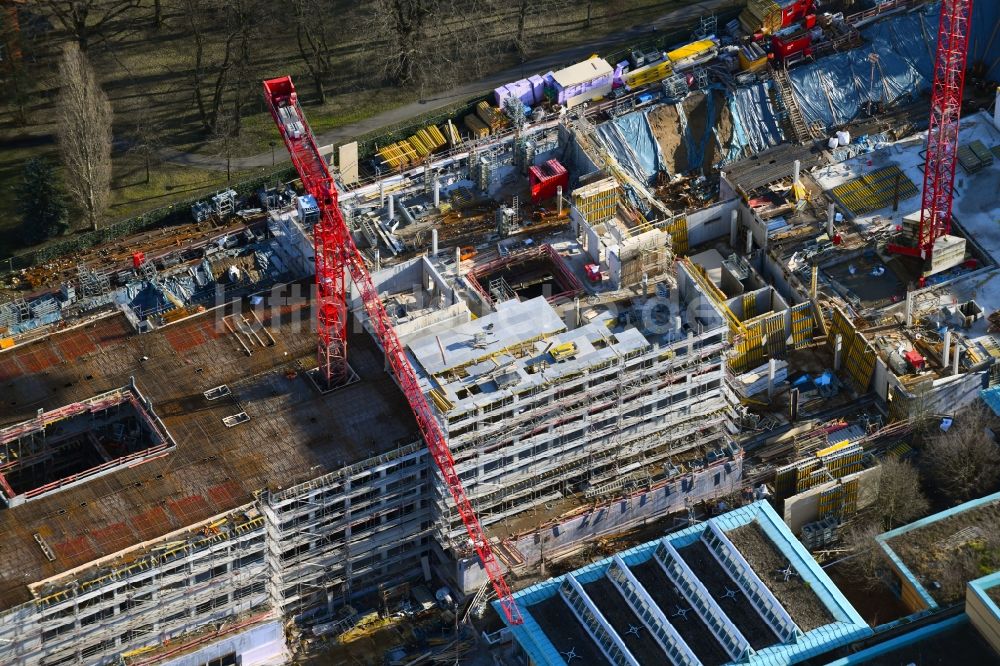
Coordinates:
(147, 73)
(130, 193)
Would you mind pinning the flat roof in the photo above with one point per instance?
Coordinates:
(943, 533)
(514, 323)
(975, 200)
(294, 433)
(582, 72)
(674, 595)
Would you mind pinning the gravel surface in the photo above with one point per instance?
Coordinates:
(766, 560)
(695, 633)
(738, 608)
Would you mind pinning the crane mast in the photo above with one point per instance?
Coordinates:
(336, 254)
(942, 132)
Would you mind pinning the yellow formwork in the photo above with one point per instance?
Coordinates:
(678, 230)
(802, 325)
(874, 190)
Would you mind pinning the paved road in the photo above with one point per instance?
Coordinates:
(668, 21)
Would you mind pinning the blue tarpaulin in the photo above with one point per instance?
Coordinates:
(755, 124)
(895, 63)
(833, 89)
(630, 140)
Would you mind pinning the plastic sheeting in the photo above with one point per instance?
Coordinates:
(630, 140)
(755, 122)
(832, 90)
(984, 42)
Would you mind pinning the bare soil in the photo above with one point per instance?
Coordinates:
(664, 122)
(694, 632)
(666, 126)
(947, 554)
(738, 608)
(766, 560)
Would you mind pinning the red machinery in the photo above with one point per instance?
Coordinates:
(794, 39)
(942, 134)
(335, 252)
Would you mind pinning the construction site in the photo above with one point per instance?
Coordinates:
(602, 370)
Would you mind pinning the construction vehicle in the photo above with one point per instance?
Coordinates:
(336, 254)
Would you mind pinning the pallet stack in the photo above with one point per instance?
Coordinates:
(974, 157)
(491, 116)
(412, 150)
(477, 128)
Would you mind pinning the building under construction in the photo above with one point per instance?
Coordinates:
(613, 298)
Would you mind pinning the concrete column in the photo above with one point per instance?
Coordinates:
(958, 357)
(559, 199)
(434, 242)
(437, 192)
(749, 242)
(838, 349)
(378, 259)
(734, 227)
(796, 167)
(770, 378)
(814, 281)
(830, 212)
(909, 309)
(946, 351)
(458, 261)
(645, 285)
(381, 193)
(392, 207)
(576, 310)
(690, 344)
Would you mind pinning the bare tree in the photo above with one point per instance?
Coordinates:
(421, 42)
(222, 34)
(528, 10)
(311, 33)
(898, 497)
(866, 563)
(86, 20)
(145, 133)
(84, 131)
(964, 462)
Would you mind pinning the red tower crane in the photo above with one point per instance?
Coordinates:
(942, 134)
(336, 254)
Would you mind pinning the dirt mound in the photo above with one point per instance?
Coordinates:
(665, 123)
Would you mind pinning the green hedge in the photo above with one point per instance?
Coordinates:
(175, 213)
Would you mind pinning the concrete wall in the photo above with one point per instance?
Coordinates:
(620, 515)
(262, 645)
(710, 223)
(804, 507)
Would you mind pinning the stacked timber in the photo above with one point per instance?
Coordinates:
(490, 115)
(477, 128)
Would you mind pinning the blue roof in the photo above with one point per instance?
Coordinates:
(981, 586)
(847, 625)
(991, 397)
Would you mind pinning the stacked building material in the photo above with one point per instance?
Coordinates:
(451, 134)
(974, 157)
(476, 127)
(410, 151)
(491, 116)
